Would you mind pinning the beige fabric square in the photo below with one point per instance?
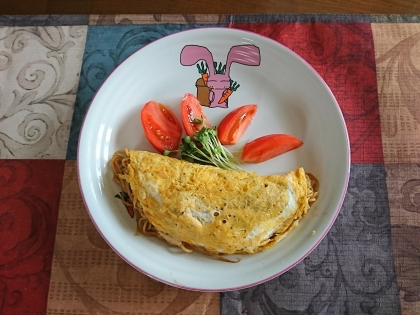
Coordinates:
(397, 53)
(87, 277)
(157, 19)
(39, 76)
(403, 181)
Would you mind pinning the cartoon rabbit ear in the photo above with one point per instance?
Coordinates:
(248, 55)
(191, 54)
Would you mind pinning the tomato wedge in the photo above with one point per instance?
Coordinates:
(268, 147)
(191, 109)
(161, 126)
(234, 125)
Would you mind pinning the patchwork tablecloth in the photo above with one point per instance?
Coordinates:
(52, 259)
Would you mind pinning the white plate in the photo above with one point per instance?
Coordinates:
(292, 99)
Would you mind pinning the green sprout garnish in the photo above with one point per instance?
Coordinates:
(205, 148)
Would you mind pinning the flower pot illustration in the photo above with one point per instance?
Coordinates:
(203, 92)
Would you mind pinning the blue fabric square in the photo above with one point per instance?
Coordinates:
(106, 48)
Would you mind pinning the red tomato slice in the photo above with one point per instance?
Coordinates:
(268, 147)
(234, 125)
(191, 109)
(161, 127)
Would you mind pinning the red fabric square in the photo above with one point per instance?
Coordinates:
(29, 200)
(343, 54)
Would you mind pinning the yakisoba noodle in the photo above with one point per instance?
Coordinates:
(119, 165)
(204, 208)
(312, 188)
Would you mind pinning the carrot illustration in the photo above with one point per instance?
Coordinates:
(233, 87)
(203, 71)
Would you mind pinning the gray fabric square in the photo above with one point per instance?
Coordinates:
(350, 272)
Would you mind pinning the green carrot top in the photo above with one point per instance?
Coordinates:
(203, 68)
(219, 69)
(233, 85)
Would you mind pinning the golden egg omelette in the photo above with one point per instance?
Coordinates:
(208, 209)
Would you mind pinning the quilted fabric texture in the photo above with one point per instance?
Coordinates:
(52, 259)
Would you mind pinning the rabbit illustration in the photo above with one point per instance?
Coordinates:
(214, 88)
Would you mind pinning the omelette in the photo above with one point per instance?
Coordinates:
(215, 211)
